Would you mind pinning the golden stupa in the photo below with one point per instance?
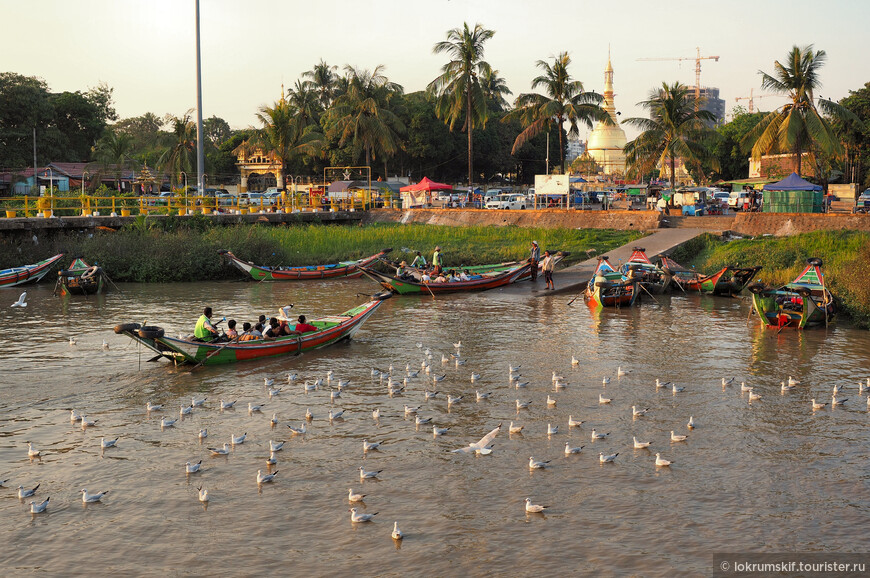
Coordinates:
(607, 141)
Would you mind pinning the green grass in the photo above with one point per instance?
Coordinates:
(172, 251)
(846, 257)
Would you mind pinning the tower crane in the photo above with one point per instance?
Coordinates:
(697, 60)
(751, 98)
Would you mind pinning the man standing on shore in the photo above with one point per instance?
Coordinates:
(547, 266)
(436, 260)
(533, 259)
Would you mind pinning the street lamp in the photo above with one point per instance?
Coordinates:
(83, 182)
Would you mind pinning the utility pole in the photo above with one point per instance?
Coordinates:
(35, 182)
(200, 151)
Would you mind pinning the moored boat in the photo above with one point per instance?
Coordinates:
(27, 273)
(80, 279)
(610, 288)
(730, 280)
(330, 329)
(475, 283)
(805, 302)
(302, 273)
(642, 270)
(491, 268)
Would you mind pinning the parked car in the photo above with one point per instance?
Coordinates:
(271, 197)
(513, 202)
(251, 199)
(161, 199)
(736, 200)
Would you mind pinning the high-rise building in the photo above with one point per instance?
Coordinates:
(711, 102)
(575, 148)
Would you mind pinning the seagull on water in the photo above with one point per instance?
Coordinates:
(370, 446)
(91, 498)
(86, 423)
(342, 383)
(520, 384)
(602, 399)
(274, 392)
(439, 431)
(150, 407)
(192, 468)
(574, 422)
(783, 387)
(308, 386)
(397, 533)
(605, 381)
(515, 368)
(227, 404)
(421, 420)
(351, 497)
(20, 302)
(557, 377)
(550, 401)
(22, 493)
(691, 424)
(552, 429)
(754, 396)
(677, 389)
(104, 443)
(458, 344)
(74, 416)
(39, 508)
(164, 423)
(105, 344)
(620, 372)
(838, 389)
(640, 445)
(523, 404)
(265, 478)
(291, 377)
(662, 462)
(515, 429)
(474, 376)
(220, 451)
(274, 420)
(367, 475)
(203, 433)
(268, 381)
(72, 341)
(744, 387)
(727, 382)
(607, 459)
(534, 508)
(638, 412)
(308, 415)
(459, 362)
(376, 414)
(451, 399)
(575, 450)
(32, 453)
(197, 402)
(357, 517)
(599, 436)
(272, 459)
(335, 414)
(252, 407)
(301, 430)
(430, 394)
(792, 381)
(817, 405)
(203, 494)
(574, 361)
(238, 440)
(409, 410)
(333, 395)
(836, 401)
(678, 438)
(483, 446)
(662, 384)
(481, 396)
(413, 374)
(185, 410)
(537, 464)
(275, 446)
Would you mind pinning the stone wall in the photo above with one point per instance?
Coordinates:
(782, 224)
(545, 219)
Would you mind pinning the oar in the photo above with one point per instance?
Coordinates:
(648, 293)
(430, 291)
(216, 351)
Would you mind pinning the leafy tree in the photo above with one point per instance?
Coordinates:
(324, 81)
(113, 151)
(284, 135)
(733, 162)
(24, 105)
(101, 97)
(674, 130)
(798, 125)
(458, 91)
(495, 90)
(856, 135)
(216, 130)
(180, 156)
(304, 100)
(565, 100)
(81, 123)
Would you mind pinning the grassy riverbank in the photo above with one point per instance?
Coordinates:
(846, 257)
(170, 251)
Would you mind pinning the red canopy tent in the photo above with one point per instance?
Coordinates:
(426, 185)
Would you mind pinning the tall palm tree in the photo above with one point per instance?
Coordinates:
(674, 130)
(323, 81)
(181, 154)
(284, 134)
(495, 89)
(113, 151)
(363, 115)
(565, 101)
(304, 100)
(458, 90)
(797, 126)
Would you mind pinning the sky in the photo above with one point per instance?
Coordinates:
(145, 49)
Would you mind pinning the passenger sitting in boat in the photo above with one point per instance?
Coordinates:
(402, 272)
(452, 277)
(274, 329)
(204, 330)
(247, 333)
(440, 278)
(303, 327)
(231, 329)
(426, 278)
(257, 331)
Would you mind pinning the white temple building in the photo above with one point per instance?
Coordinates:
(607, 141)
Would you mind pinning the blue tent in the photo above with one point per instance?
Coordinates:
(577, 180)
(792, 183)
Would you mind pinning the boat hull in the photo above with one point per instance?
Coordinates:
(411, 287)
(28, 273)
(306, 273)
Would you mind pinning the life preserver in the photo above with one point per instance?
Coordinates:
(151, 332)
(90, 272)
(756, 288)
(815, 261)
(603, 284)
(804, 292)
(125, 327)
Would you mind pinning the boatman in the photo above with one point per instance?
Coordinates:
(419, 261)
(534, 258)
(204, 330)
(436, 261)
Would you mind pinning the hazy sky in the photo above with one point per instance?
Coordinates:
(145, 49)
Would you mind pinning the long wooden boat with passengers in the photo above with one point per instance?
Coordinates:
(494, 267)
(330, 329)
(610, 288)
(729, 280)
(805, 302)
(27, 273)
(303, 273)
(475, 283)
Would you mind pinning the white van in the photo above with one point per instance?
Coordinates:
(737, 199)
(512, 202)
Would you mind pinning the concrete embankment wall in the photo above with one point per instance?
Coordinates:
(784, 224)
(545, 219)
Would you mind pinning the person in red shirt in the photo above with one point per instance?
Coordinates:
(303, 327)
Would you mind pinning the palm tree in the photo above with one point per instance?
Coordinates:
(323, 81)
(113, 151)
(674, 130)
(304, 100)
(458, 90)
(565, 100)
(797, 126)
(495, 89)
(363, 115)
(284, 134)
(181, 154)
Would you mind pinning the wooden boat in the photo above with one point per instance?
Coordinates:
(730, 280)
(303, 273)
(27, 273)
(610, 288)
(80, 279)
(488, 269)
(641, 269)
(805, 302)
(476, 283)
(331, 329)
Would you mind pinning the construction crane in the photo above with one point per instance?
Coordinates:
(751, 99)
(697, 60)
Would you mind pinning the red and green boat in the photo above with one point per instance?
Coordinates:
(496, 267)
(481, 282)
(80, 279)
(330, 330)
(730, 280)
(610, 288)
(805, 302)
(303, 273)
(27, 273)
(642, 270)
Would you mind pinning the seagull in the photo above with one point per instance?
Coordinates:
(22, 493)
(252, 408)
(272, 459)
(474, 377)
(602, 399)
(351, 497)
(227, 404)
(607, 459)
(481, 396)
(39, 508)
(275, 446)
(318, 382)
(366, 475)
(203, 494)
(620, 372)
(274, 420)
(550, 401)
(676, 389)
(444, 358)
(792, 381)
(744, 387)
(638, 412)
(569, 450)
(421, 420)
(451, 400)
(573, 422)
(691, 424)
(660, 461)
(265, 478)
(410, 410)
(640, 445)
(515, 368)
(458, 344)
(268, 382)
(104, 443)
(783, 387)
(483, 446)
(662, 385)
(430, 394)
(605, 381)
(419, 345)
(837, 389)
(599, 436)
(72, 341)
(91, 498)
(397, 533)
(20, 302)
(274, 392)
(197, 402)
(439, 431)
(376, 414)
(357, 517)
(105, 344)
(86, 423)
(164, 423)
(333, 395)
(291, 377)
(523, 404)
(370, 446)
(537, 465)
(335, 415)
(574, 361)
(301, 430)
(192, 468)
(74, 416)
(308, 415)
(413, 374)
(520, 384)
(238, 440)
(552, 429)
(817, 405)
(754, 396)
(185, 410)
(309, 387)
(677, 438)
(726, 382)
(32, 453)
(560, 384)
(149, 407)
(557, 377)
(203, 433)
(330, 373)
(835, 401)
(459, 362)
(515, 428)
(342, 383)
(220, 451)
(534, 508)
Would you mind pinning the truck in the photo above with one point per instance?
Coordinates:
(512, 202)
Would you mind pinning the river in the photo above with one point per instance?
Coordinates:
(770, 476)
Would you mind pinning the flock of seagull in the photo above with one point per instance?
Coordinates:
(423, 382)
